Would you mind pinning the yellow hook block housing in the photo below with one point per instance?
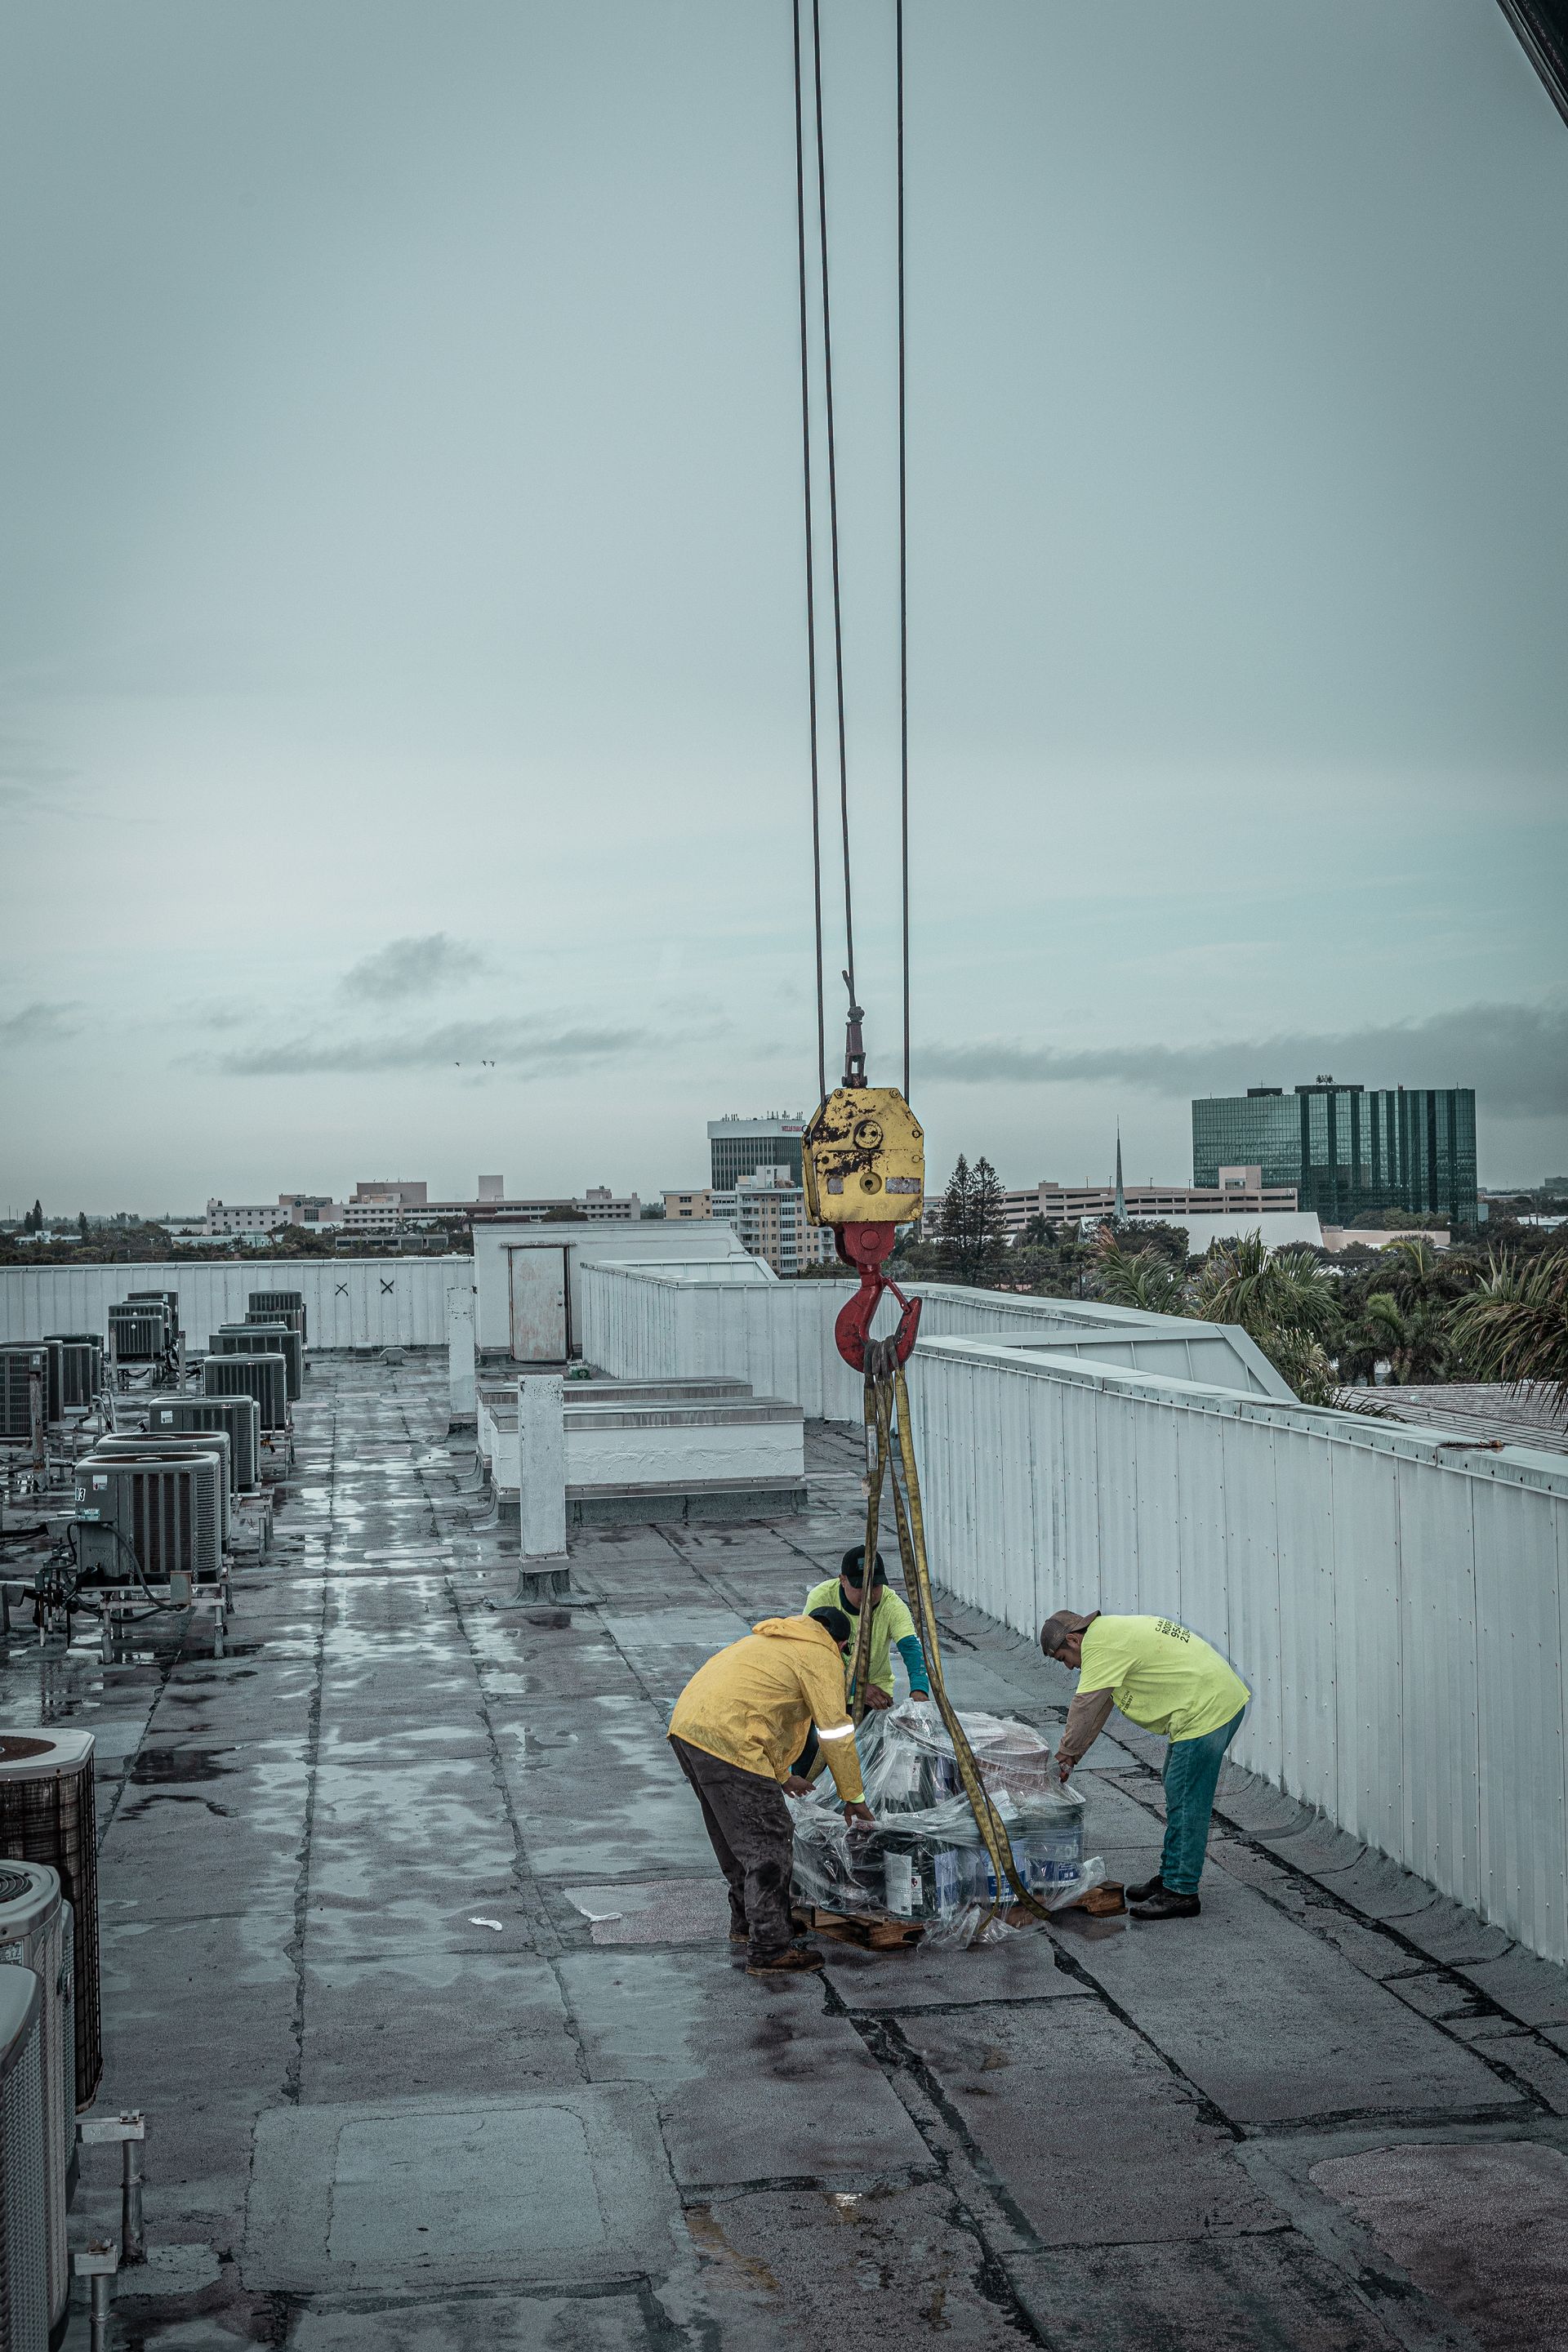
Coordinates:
(863, 1159)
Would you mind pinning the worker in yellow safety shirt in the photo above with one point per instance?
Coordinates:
(1168, 1679)
(892, 1627)
(737, 1725)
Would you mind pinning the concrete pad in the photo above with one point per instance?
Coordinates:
(1270, 2023)
(1482, 2228)
(588, 2323)
(404, 2023)
(802, 2270)
(430, 2192)
(1097, 2141)
(663, 1911)
(815, 2106)
(1023, 1967)
(1213, 2295)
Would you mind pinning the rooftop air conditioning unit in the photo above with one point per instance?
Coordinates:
(264, 1340)
(82, 1368)
(36, 1934)
(239, 1416)
(140, 1335)
(169, 1298)
(22, 1363)
(144, 1522)
(292, 1318)
(24, 2142)
(177, 1446)
(264, 1377)
(262, 1302)
(46, 1814)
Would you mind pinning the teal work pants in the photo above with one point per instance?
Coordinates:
(1192, 1775)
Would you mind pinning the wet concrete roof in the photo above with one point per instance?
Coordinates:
(416, 1954)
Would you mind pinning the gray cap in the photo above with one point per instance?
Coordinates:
(1058, 1629)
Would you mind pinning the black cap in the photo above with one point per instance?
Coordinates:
(852, 1567)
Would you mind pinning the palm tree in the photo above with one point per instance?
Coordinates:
(1144, 1278)
(1283, 1300)
(1513, 1326)
(1414, 1338)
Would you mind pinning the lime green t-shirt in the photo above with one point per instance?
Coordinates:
(1161, 1675)
(890, 1623)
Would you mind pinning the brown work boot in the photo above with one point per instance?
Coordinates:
(794, 1960)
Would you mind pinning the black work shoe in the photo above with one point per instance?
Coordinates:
(742, 1933)
(1167, 1904)
(739, 1935)
(1155, 1885)
(792, 1962)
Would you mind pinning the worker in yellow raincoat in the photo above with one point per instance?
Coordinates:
(737, 1727)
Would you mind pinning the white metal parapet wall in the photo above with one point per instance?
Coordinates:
(1395, 1601)
(660, 1323)
(349, 1302)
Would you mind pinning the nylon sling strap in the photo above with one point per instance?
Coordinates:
(886, 1405)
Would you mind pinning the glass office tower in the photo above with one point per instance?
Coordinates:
(1348, 1150)
(739, 1146)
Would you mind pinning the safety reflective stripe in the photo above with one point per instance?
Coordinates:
(844, 1731)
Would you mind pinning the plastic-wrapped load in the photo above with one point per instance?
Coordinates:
(925, 1859)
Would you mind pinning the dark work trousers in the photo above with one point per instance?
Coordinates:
(748, 1827)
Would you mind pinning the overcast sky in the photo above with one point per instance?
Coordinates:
(403, 757)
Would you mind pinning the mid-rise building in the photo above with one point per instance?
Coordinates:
(689, 1204)
(739, 1146)
(1238, 1191)
(768, 1213)
(1347, 1150)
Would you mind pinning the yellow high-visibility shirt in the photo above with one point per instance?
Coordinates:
(752, 1704)
(1161, 1675)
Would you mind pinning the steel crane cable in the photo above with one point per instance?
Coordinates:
(832, 498)
(835, 570)
(903, 549)
(810, 561)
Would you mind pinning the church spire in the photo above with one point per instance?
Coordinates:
(1120, 1209)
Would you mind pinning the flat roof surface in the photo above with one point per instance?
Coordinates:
(415, 1953)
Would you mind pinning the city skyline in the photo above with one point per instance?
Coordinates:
(403, 749)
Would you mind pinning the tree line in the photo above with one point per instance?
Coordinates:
(1491, 1311)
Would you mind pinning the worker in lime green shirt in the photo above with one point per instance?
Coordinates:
(1168, 1679)
(892, 1627)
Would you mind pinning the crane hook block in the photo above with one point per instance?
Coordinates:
(863, 1159)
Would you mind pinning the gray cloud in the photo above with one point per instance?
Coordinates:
(1515, 1056)
(510, 1044)
(42, 1024)
(412, 967)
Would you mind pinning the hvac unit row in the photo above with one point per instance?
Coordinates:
(265, 1340)
(46, 1815)
(145, 1518)
(51, 2052)
(264, 1377)
(278, 1306)
(142, 1333)
(176, 1445)
(37, 1941)
(24, 2165)
(238, 1417)
(69, 1369)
